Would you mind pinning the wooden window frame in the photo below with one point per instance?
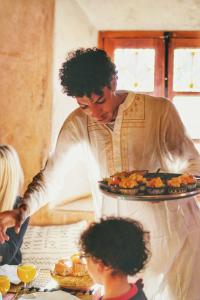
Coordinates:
(164, 76)
(179, 40)
(109, 40)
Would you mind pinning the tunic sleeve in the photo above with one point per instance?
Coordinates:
(47, 184)
(179, 152)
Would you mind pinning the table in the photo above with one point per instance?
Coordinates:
(44, 282)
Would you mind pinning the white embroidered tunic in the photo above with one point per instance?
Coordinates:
(147, 134)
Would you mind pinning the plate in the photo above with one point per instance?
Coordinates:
(82, 283)
(134, 194)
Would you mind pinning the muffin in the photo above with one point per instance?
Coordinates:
(128, 186)
(141, 180)
(190, 181)
(113, 183)
(155, 186)
(176, 185)
(127, 182)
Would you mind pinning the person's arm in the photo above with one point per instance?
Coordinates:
(46, 185)
(179, 152)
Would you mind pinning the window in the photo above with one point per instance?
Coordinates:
(184, 80)
(163, 64)
(139, 58)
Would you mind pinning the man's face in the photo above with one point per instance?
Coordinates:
(103, 109)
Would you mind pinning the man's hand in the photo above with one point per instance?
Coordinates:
(10, 218)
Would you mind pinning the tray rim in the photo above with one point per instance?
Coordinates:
(147, 198)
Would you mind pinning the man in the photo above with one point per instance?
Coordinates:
(125, 131)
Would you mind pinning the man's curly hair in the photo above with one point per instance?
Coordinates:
(86, 71)
(120, 243)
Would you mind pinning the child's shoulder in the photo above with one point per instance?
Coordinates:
(135, 293)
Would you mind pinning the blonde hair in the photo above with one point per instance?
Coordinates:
(11, 177)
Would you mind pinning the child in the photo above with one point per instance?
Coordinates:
(113, 249)
(11, 182)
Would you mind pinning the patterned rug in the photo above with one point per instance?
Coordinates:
(44, 245)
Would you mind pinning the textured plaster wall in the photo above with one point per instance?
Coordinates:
(25, 79)
(72, 30)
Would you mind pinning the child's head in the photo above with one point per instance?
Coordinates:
(11, 177)
(117, 244)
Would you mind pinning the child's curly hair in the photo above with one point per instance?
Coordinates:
(86, 71)
(120, 243)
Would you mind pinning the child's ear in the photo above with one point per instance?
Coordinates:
(102, 268)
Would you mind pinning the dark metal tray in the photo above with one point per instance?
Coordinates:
(105, 189)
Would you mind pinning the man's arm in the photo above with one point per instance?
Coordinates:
(179, 150)
(46, 185)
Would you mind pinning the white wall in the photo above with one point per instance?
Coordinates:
(72, 30)
(143, 14)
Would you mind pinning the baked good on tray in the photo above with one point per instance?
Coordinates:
(63, 267)
(190, 181)
(72, 266)
(155, 186)
(175, 185)
(72, 274)
(143, 183)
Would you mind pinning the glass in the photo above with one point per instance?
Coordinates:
(136, 68)
(4, 284)
(189, 108)
(26, 273)
(186, 70)
(83, 258)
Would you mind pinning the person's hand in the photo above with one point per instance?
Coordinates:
(10, 218)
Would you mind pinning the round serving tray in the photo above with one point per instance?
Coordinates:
(149, 198)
